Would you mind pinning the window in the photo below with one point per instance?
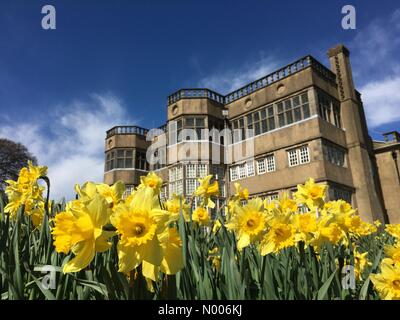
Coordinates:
(242, 171)
(339, 193)
(293, 110)
(175, 181)
(238, 130)
(110, 161)
(261, 121)
(329, 109)
(266, 165)
(298, 156)
(141, 162)
(261, 168)
(193, 173)
(304, 154)
(193, 123)
(191, 185)
(163, 193)
(234, 173)
(202, 170)
(336, 114)
(334, 154)
(119, 159)
(293, 159)
(270, 163)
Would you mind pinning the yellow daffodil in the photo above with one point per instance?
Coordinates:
(286, 204)
(174, 205)
(393, 230)
(360, 263)
(201, 216)
(306, 225)
(248, 223)
(79, 229)
(280, 235)
(112, 194)
(207, 190)
(241, 193)
(172, 257)
(26, 191)
(140, 226)
(387, 282)
(215, 258)
(392, 253)
(311, 194)
(216, 226)
(327, 233)
(152, 181)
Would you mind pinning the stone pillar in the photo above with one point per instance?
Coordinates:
(358, 141)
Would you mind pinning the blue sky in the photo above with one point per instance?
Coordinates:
(115, 62)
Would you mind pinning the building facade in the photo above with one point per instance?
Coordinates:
(303, 120)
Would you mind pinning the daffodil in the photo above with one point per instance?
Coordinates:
(306, 225)
(311, 194)
(327, 233)
(280, 235)
(387, 282)
(140, 226)
(249, 223)
(241, 193)
(172, 256)
(79, 229)
(392, 253)
(112, 194)
(285, 204)
(201, 216)
(26, 191)
(174, 206)
(216, 226)
(360, 263)
(393, 230)
(152, 181)
(207, 190)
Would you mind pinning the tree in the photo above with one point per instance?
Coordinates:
(13, 157)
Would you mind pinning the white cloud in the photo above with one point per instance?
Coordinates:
(382, 101)
(229, 80)
(71, 141)
(376, 68)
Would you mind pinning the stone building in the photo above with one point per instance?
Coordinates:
(303, 120)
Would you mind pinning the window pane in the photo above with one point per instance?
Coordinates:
(306, 111)
(128, 153)
(296, 101)
(128, 163)
(263, 114)
(256, 116)
(120, 163)
(120, 153)
(189, 122)
(280, 107)
(200, 122)
(304, 97)
(288, 104)
(257, 128)
(271, 123)
(281, 120)
(270, 111)
(297, 114)
(264, 127)
(289, 117)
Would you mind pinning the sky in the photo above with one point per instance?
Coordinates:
(115, 62)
